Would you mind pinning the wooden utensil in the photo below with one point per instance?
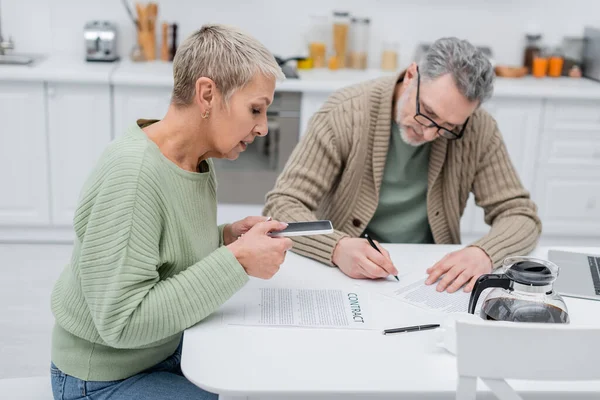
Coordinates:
(152, 10)
(146, 33)
(164, 50)
(141, 13)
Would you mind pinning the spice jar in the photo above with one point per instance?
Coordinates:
(389, 56)
(359, 33)
(341, 26)
(320, 31)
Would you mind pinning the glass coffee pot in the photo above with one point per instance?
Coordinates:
(522, 292)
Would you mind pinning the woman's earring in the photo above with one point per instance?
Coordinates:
(205, 115)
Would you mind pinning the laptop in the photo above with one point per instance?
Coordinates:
(579, 274)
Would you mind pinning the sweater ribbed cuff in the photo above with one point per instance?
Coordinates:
(319, 247)
(485, 245)
(227, 270)
(221, 233)
(511, 236)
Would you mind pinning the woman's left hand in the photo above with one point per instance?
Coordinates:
(233, 231)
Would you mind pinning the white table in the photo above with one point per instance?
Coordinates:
(274, 362)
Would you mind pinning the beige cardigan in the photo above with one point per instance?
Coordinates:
(335, 173)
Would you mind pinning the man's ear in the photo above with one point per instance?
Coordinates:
(205, 93)
(409, 76)
(411, 72)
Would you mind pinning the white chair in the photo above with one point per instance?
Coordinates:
(495, 351)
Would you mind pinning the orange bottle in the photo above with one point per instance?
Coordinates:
(555, 66)
(540, 66)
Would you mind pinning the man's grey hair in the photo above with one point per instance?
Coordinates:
(470, 68)
(228, 56)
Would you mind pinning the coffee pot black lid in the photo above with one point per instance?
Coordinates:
(530, 271)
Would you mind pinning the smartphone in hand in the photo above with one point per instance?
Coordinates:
(308, 228)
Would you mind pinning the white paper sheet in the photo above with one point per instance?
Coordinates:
(413, 290)
(316, 308)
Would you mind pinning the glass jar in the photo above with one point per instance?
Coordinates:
(389, 56)
(359, 32)
(319, 34)
(341, 26)
(540, 62)
(555, 63)
(532, 48)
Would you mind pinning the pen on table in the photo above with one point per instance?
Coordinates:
(411, 329)
(372, 243)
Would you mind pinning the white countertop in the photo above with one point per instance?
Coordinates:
(159, 74)
(527, 87)
(325, 81)
(551, 88)
(59, 69)
(154, 73)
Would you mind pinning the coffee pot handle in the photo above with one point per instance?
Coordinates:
(484, 282)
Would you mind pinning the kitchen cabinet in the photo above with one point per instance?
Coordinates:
(311, 103)
(135, 102)
(519, 123)
(572, 136)
(569, 202)
(79, 129)
(568, 184)
(23, 155)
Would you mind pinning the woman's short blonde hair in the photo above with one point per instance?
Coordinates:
(228, 56)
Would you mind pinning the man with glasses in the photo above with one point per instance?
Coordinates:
(396, 158)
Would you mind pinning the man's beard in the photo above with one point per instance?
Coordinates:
(408, 140)
(405, 138)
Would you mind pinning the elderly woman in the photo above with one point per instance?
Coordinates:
(149, 260)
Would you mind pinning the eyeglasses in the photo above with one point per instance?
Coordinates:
(427, 122)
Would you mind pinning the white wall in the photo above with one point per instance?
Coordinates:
(55, 26)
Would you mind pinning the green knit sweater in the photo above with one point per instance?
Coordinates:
(146, 264)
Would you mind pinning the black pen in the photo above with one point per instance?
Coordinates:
(372, 243)
(411, 329)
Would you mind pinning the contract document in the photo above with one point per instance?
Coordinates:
(313, 308)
